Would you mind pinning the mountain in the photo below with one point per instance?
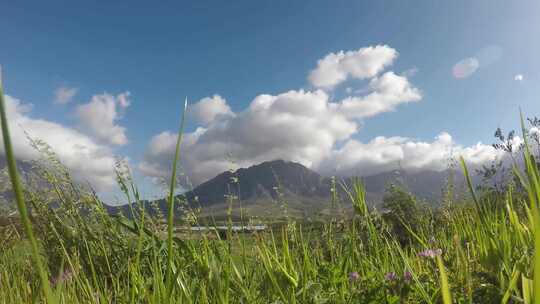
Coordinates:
(274, 187)
(6, 195)
(267, 188)
(427, 185)
(268, 180)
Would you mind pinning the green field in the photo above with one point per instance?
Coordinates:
(477, 251)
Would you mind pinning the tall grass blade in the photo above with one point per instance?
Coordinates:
(469, 182)
(170, 202)
(19, 199)
(445, 287)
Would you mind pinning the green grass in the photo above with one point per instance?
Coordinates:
(19, 198)
(481, 250)
(123, 261)
(170, 203)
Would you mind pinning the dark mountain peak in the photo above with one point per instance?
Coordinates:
(278, 163)
(264, 180)
(277, 166)
(278, 170)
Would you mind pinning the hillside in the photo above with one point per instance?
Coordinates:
(6, 195)
(267, 188)
(267, 180)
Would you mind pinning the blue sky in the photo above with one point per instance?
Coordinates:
(163, 52)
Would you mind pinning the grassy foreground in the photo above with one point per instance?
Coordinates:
(482, 251)
(460, 254)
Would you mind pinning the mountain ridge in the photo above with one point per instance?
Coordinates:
(265, 187)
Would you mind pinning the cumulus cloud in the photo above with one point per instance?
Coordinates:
(465, 68)
(208, 109)
(300, 126)
(364, 63)
(388, 91)
(99, 118)
(308, 127)
(88, 160)
(296, 125)
(384, 154)
(64, 95)
(519, 77)
(158, 160)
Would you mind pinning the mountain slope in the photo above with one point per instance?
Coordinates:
(266, 188)
(263, 189)
(267, 180)
(6, 195)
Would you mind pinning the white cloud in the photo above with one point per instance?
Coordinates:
(384, 154)
(99, 116)
(296, 125)
(519, 77)
(64, 95)
(208, 109)
(161, 151)
(300, 126)
(364, 63)
(465, 67)
(388, 91)
(309, 127)
(87, 160)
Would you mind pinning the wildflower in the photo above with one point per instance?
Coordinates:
(390, 276)
(430, 253)
(407, 276)
(353, 276)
